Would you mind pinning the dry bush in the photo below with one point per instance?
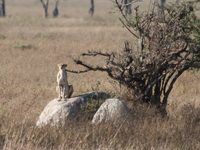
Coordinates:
(167, 47)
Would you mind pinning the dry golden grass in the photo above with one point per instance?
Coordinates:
(30, 48)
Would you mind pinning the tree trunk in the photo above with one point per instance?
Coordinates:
(55, 12)
(46, 11)
(161, 10)
(2, 9)
(45, 6)
(128, 10)
(91, 10)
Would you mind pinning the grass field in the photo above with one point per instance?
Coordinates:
(30, 48)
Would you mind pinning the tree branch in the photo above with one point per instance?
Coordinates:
(94, 53)
(43, 3)
(72, 71)
(79, 62)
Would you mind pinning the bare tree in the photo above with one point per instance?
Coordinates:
(91, 10)
(55, 11)
(45, 4)
(165, 50)
(2, 8)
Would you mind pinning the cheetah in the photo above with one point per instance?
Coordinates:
(64, 89)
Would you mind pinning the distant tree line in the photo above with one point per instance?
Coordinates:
(45, 3)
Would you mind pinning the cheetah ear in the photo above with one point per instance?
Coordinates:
(65, 65)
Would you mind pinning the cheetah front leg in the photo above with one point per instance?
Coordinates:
(63, 92)
(59, 93)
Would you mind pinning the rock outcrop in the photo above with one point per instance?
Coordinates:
(111, 110)
(58, 112)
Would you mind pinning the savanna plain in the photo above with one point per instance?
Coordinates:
(30, 49)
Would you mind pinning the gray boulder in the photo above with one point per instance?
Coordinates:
(58, 112)
(111, 110)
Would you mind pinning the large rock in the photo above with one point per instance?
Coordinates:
(111, 110)
(58, 112)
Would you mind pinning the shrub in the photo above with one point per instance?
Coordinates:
(166, 48)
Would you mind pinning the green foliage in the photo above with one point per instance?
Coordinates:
(2, 37)
(111, 93)
(23, 47)
(167, 47)
(45, 35)
(92, 105)
(195, 70)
